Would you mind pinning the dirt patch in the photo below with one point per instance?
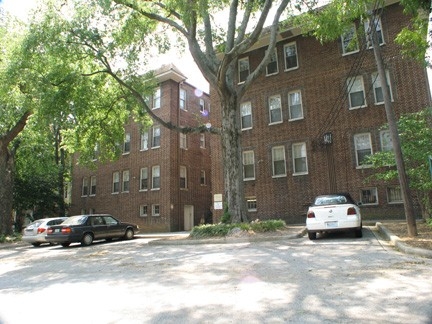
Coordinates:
(422, 240)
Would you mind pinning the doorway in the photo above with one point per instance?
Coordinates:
(188, 217)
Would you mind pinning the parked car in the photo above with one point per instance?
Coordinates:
(35, 232)
(334, 212)
(88, 228)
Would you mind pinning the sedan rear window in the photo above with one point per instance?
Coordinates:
(330, 200)
(75, 220)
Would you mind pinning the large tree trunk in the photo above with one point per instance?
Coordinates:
(232, 160)
(6, 189)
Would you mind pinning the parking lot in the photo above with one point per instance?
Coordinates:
(337, 279)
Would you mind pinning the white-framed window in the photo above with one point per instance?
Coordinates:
(143, 179)
(355, 87)
(290, 56)
(127, 144)
(202, 105)
(183, 177)
(272, 66)
(248, 165)
(116, 182)
(85, 187)
(278, 161)
(369, 196)
(183, 141)
(202, 141)
(144, 140)
(246, 115)
(203, 180)
(378, 91)
(295, 105)
(156, 177)
(95, 152)
(394, 195)
(243, 69)
(363, 148)
(251, 204)
(386, 141)
(275, 109)
(143, 210)
(157, 99)
(92, 185)
(156, 136)
(349, 41)
(182, 99)
(125, 182)
(378, 29)
(155, 210)
(299, 154)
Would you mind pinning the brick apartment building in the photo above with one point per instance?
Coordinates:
(162, 181)
(310, 120)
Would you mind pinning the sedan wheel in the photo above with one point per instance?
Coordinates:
(312, 235)
(36, 244)
(87, 239)
(129, 234)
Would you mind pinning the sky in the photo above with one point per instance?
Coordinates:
(185, 63)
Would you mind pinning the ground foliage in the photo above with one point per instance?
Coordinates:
(222, 230)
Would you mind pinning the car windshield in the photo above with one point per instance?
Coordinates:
(331, 200)
(75, 220)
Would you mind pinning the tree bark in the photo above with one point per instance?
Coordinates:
(232, 160)
(7, 165)
(6, 189)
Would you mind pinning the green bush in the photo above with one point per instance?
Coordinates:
(429, 221)
(221, 230)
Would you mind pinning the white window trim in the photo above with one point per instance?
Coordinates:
(301, 105)
(297, 173)
(396, 202)
(119, 183)
(284, 56)
(247, 206)
(125, 174)
(284, 160)
(238, 68)
(183, 99)
(280, 109)
(364, 166)
(375, 77)
(142, 214)
(374, 189)
(153, 177)
(157, 98)
(91, 186)
(277, 64)
(241, 116)
(253, 164)
(368, 35)
(349, 87)
(344, 53)
(183, 174)
(85, 184)
(154, 214)
(144, 141)
(127, 141)
(141, 179)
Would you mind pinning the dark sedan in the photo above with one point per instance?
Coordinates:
(88, 228)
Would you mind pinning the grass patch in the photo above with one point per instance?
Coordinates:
(222, 230)
(10, 238)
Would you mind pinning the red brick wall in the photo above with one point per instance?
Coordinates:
(169, 156)
(321, 76)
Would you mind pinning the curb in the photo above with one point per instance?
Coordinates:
(397, 242)
(228, 240)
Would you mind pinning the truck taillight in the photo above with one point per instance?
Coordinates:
(351, 211)
(40, 230)
(310, 214)
(66, 230)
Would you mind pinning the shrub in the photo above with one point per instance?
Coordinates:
(221, 230)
